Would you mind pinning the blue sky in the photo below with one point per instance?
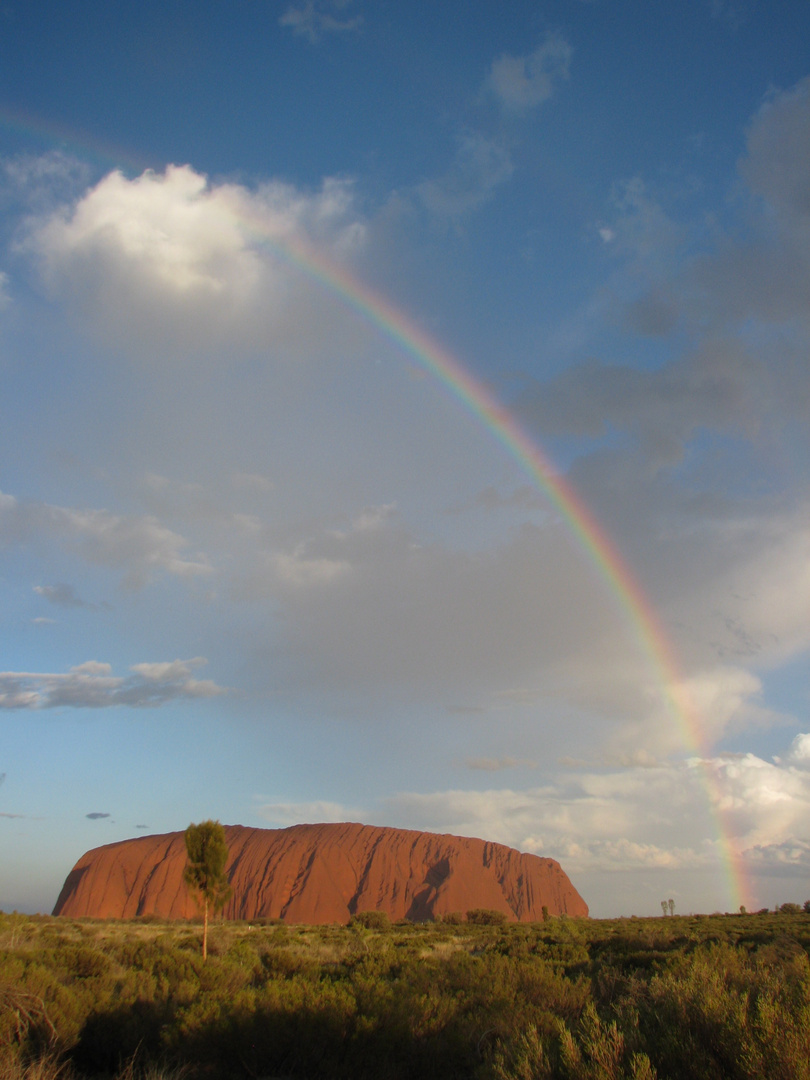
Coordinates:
(256, 564)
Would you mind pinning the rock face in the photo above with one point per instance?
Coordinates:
(322, 874)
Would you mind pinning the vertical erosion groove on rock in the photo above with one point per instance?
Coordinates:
(323, 874)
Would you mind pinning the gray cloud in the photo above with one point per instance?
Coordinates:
(371, 605)
(713, 388)
(788, 859)
(92, 685)
(760, 272)
(527, 624)
(490, 764)
(765, 275)
(777, 164)
(523, 497)
(655, 314)
(62, 595)
(743, 298)
(96, 815)
(138, 546)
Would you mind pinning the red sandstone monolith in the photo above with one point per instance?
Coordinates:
(323, 874)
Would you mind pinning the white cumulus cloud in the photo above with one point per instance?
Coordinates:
(173, 260)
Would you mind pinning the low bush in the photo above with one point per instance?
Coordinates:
(486, 917)
(371, 920)
(699, 997)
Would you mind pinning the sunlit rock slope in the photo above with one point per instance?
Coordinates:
(323, 874)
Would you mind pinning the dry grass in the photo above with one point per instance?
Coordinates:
(49, 1067)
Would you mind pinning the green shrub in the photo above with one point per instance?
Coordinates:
(486, 917)
(371, 920)
(601, 1052)
(703, 997)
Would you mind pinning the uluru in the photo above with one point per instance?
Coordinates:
(323, 874)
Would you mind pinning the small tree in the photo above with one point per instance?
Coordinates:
(664, 906)
(671, 906)
(205, 872)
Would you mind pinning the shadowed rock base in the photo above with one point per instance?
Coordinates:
(323, 874)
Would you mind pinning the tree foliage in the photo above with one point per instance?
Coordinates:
(205, 873)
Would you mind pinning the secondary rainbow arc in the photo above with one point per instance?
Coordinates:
(22, 122)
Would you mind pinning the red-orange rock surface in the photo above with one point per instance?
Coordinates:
(322, 874)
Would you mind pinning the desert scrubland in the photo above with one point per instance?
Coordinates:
(673, 997)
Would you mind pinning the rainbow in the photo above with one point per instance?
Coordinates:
(429, 355)
(433, 358)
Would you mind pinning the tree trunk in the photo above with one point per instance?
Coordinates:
(205, 929)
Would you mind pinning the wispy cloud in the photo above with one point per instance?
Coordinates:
(734, 13)
(41, 182)
(483, 162)
(315, 18)
(139, 546)
(481, 165)
(524, 82)
(492, 764)
(96, 815)
(62, 595)
(92, 685)
(283, 814)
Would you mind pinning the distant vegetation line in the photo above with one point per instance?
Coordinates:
(706, 997)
